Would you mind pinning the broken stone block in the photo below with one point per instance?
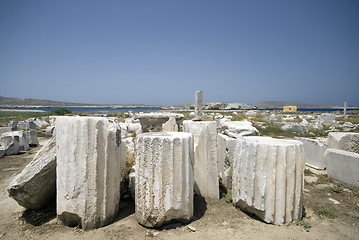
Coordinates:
(22, 125)
(35, 186)
(10, 143)
(23, 143)
(237, 129)
(344, 141)
(31, 125)
(152, 122)
(314, 152)
(327, 118)
(5, 130)
(226, 150)
(88, 170)
(164, 178)
(12, 125)
(268, 178)
(170, 125)
(343, 166)
(205, 157)
(31, 137)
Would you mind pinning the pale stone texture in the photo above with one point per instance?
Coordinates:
(5, 130)
(237, 129)
(198, 103)
(89, 162)
(23, 143)
(35, 186)
(205, 157)
(226, 150)
(268, 178)
(152, 122)
(170, 125)
(31, 137)
(10, 143)
(343, 166)
(50, 129)
(314, 152)
(164, 178)
(344, 141)
(12, 125)
(31, 125)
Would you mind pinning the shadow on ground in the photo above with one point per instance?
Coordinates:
(40, 216)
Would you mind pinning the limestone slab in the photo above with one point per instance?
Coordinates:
(268, 178)
(205, 157)
(343, 166)
(314, 152)
(35, 186)
(164, 178)
(88, 170)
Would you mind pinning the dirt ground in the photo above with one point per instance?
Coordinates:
(213, 219)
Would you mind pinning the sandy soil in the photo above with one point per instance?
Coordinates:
(213, 219)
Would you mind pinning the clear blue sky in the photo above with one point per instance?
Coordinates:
(161, 52)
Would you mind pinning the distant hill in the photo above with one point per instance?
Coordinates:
(280, 104)
(30, 102)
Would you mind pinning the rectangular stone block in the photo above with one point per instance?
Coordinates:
(89, 162)
(205, 157)
(35, 186)
(164, 178)
(10, 144)
(268, 178)
(314, 152)
(31, 137)
(226, 150)
(343, 166)
(23, 143)
(344, 141)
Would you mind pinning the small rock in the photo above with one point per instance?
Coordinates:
(310, 179)
(193, 229)
(347, 190)
(152, 233)
(323, 186)
(225, 223)
(334, 201)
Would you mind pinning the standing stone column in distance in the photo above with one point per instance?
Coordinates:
(268, 178)
(205, 157)
(198, 101)
(345, 109)
(89, 160)
(164, 178)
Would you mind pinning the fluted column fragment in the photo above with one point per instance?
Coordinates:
(164, 178)
(89, 161)
(268, 178)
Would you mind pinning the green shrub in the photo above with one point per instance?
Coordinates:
(61, 111)
(323, 212)
(304, 224)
